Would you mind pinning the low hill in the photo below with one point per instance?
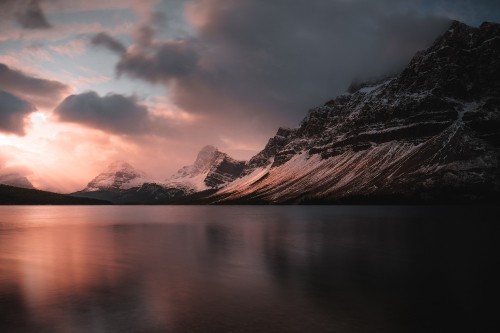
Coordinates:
(10, 195)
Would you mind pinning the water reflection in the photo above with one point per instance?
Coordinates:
(246, 269)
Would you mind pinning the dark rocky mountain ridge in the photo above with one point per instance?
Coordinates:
(430, 134)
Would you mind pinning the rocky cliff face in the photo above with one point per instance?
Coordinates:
(211, 169)
(431, 134)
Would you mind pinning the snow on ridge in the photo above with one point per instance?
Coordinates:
(247, 180)
(193, 182)
(119, 175)
(204, 173)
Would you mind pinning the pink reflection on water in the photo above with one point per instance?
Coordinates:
(51, 264)
(151, 269)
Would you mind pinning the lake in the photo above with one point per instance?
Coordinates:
(248, 269)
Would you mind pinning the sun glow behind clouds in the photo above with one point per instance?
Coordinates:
(64, 157)
(208, 72)
(58, 154)
(61, 156)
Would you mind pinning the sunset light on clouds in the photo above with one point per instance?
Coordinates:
(85, 83)
(249, 165)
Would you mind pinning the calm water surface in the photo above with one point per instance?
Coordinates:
(248, 269)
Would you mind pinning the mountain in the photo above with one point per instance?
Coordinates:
(212, 169)
(117, 177)
(119, 183)
(428, 135)
(14, 179)
(123, 184)
(10, 195)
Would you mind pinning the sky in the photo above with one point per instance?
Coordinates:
(84, 83)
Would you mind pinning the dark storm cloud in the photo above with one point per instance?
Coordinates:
(272, 60)
(105, 40)
(151, 61)
(13, 111)
(471, 11)
(113, 113)
(28, 13)
(145, 33)
(38, 91)
(144, 36)
(32, 16)
(170, 60)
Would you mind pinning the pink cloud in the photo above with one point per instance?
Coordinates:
(72, 48)
(62, 31)
(75, 6)
(37, 53)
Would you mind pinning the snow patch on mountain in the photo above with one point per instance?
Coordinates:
(193, 176)
(247, 180)
(211, 169)
(119, 175)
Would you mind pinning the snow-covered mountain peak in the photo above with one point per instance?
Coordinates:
(211, 169)
(119, 175)
(206, 158)
(208, 149)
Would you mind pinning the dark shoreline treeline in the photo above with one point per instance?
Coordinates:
(10, 195)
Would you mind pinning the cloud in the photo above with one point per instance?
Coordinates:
(13, 112)
(10, 171)
(70, 49)
(34, 52)
(145, 33)
(112, 113)
(16, 171)
(471, 11)
(64, 157)
(171, 60)
(63, 30)
(41, 92)
(28, 13)
(32, 16)
(105, 40)
(261, 63)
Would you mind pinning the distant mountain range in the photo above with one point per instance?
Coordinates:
(15, 179)
(121, 183)
(430, 134)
